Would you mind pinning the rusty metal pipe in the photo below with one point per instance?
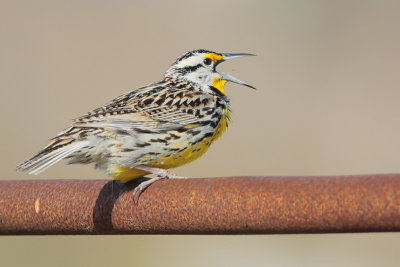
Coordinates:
(236, 205)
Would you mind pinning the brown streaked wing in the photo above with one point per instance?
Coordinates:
(164, 110)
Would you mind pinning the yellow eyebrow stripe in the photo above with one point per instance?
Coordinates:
(213, 56)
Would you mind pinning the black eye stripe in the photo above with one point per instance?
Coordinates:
(191, 68)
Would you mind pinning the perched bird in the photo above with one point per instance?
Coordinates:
(152, 128)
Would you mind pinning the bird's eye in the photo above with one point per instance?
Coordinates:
(207, 61)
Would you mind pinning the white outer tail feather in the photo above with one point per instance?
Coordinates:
(55, 156)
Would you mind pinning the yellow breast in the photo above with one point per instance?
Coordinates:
(193, 151)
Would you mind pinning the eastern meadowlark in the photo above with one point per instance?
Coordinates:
(152, 128)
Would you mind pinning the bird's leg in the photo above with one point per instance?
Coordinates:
(160, 174)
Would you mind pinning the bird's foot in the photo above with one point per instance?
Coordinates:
(161, 174)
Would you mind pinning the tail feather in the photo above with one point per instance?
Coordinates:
(51, 155)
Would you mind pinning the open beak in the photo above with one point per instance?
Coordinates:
(230, 78)
(227, 56)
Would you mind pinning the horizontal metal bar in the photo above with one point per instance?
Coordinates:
(236, 205)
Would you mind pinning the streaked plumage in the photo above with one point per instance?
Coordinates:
(161, 126)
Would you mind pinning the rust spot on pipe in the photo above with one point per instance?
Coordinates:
(236, 205)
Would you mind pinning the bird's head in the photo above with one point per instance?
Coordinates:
(199, 66)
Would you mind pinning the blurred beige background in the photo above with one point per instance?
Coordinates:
(327, 103)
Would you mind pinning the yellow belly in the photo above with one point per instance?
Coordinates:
(125, 174)
(192, 152)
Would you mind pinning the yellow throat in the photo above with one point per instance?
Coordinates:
(219, 84)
